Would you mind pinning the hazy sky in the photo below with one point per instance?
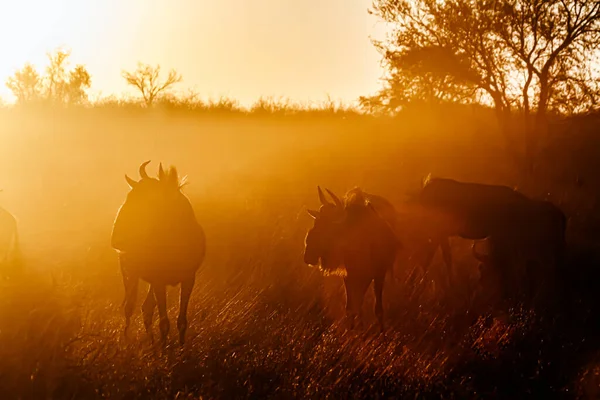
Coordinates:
(301, 49)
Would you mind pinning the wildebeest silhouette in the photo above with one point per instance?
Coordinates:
(10, 254)
(353, 239)
(517, 227)
(159, 241)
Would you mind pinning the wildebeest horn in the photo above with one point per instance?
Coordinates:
(130, 181)
(322, 198)
(161, 172)
(336, 199)
(143, 173)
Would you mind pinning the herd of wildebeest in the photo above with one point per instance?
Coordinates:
(361, 237)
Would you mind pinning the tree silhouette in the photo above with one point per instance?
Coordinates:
(62, 86)
(56, 86)
(79, 80)
(146, 79)
(25, 84)
(525, 57)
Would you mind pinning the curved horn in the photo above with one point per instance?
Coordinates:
(142, 170)
(322, 198)
(161, 172)
(336, 199)
(130, 181)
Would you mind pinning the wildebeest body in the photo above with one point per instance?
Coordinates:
(516, 226)
(354, 237)
(159, 241)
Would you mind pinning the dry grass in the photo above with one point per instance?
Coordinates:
(263, 324)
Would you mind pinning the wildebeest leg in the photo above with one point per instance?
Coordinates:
(447, 254)
(378, 288)
(182, 322)
(356, 287)
(148, 311)
(429, 254)
(160, 293)
(502, 262)
(131, 287)
(425, 256)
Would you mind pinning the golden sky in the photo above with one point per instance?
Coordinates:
(299, 49)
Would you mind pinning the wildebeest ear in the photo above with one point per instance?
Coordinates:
(336, 199)
(161, 172)
(130, 181)
(312, 213)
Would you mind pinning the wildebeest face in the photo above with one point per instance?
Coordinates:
(324, 242)
(151, 206)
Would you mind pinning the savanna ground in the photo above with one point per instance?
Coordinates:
(263, 324)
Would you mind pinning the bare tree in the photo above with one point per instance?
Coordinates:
(526, 57)
(146, 79)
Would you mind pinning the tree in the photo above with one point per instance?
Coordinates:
(79, 80)
(25, 84)
(524, 57)
(56, 86)
(62, 86)
(146, 79)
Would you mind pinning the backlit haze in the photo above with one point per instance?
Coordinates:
(301, 50)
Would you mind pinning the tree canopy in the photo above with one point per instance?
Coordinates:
(523, 57)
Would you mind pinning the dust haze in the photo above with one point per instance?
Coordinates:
(261, 321)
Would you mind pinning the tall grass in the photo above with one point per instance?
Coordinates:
(263, 324)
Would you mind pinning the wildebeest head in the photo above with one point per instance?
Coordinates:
(155, 212)
(322, 243)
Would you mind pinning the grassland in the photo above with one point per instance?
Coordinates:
(263, 324)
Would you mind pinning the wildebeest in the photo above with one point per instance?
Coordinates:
(159, 241)
(354, 238)
(464, 209)
(9, 244)
(515, 225)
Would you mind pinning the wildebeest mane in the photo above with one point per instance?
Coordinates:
(355, 198)
(425, 181)
(171, 175)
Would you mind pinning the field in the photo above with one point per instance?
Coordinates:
(262, 323)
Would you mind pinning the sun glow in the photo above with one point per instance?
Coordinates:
(305, 51)
(30, 29)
